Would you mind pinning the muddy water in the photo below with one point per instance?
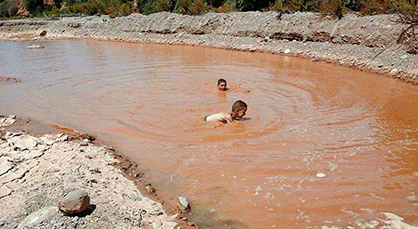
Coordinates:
(304, 118)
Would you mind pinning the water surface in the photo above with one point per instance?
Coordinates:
(303, 118)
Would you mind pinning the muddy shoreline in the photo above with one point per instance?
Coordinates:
(44, 190)
(366, 43)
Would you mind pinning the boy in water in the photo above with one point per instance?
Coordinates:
(222, 85)
(237, 112)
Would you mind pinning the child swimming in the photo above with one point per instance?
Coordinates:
(222, 85)
(239, 108)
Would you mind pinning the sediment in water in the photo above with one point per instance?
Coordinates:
(367, 43)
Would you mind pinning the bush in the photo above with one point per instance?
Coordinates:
(407, 11)
(8, 9)
(163, 5)
(332, 7)
(33, 5)
(146, 6)
(198, 7)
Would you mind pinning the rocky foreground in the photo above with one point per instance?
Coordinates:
(367, 43)
(52, 181)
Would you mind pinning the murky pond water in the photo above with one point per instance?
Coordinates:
(303, 118)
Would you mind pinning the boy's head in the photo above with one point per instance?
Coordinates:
(238, 109)
(222, 85)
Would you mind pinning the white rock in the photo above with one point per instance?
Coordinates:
(45, 214)
(184, 204)
(4, 191)
(5, 165)
(7, 121)
(16, 173)
(23, 142)
(321, 175)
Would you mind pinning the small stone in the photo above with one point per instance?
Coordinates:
(7, 121)
(43, 215)
(16, 173)
(413, 71)
(4, 191)
(184, 204)
(321, 175)
(403, 57)
(5, 165)
(287, 51)
(267, 39)
(74, 202)
(25, 142)
(393, 72)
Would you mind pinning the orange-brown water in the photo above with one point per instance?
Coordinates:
(303, 118)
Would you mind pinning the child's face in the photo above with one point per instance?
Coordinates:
(222, 86)
(239, 113)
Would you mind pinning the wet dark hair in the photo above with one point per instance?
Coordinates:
(221, 80)
(238, 105)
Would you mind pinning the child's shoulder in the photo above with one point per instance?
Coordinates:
(222, 116)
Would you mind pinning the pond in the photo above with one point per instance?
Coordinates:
(304, 118)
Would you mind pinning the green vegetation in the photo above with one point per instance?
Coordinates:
(115, 8)
(7, 8)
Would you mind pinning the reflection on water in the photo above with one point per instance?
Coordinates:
(303, 118)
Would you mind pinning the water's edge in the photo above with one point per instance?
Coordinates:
(366, 43)
(129, 169)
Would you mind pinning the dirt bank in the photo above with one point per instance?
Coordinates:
(367, 42)
(36, 172)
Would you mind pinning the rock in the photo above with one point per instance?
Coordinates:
(43, 33)
(43, 215)
(5, 165)
(396, 221)
(74, 202)
(17, 173)
(33, 46)
(287, 51)
(184, 204)
(24, 142)
(413, 71)
(4, 191)
(267, 39)
(61, 138)
(393, 72)
(7, 121)
(32, 154)
(321, 175)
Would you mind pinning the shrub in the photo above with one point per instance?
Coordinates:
(182, 6)
(407, 11)
(33, 5)
(146, 6)
(332, 7)
(198, 7)
(163, 5)
(8, 9)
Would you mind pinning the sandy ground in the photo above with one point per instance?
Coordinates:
(37, 170)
